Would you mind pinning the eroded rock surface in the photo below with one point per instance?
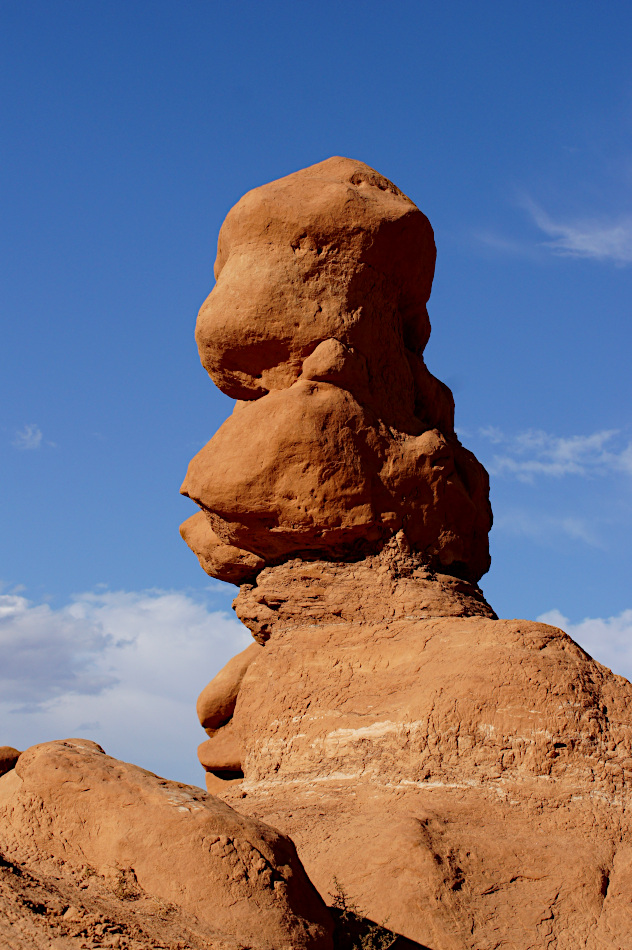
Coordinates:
(68, 807)
(341, 437)
(394, 584)
(464, 777)
(398, 731)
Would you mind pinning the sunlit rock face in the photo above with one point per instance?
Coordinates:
(102, 834)
(341, 438)
(465, 777)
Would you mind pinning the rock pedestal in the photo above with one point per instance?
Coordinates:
(481, 767)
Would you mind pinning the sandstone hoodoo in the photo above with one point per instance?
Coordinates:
(466, 777)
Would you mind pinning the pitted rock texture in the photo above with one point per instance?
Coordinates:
(341, 437)
(394, 584)
(482, 767)
(69, 806)
(53, 906)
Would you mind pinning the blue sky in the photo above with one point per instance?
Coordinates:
(129, 130)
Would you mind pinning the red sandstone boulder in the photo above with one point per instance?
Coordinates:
(332, 251)
(69, 803)
(8, 758)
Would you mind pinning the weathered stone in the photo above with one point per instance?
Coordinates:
(482, 767)
(216, 702)
(215, 556)
(395, 583)
(465, 777)
(342, 437)
(68, 802)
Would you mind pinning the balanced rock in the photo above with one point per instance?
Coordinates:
(341, 437)
(68, 805)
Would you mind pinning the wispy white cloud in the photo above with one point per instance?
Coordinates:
(30, 437)
(535, 452)
(493, 434)
(545, 529)
(499, 244)
(601, 240)
(608, 640)
(123, 668)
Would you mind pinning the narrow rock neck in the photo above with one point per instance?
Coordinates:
(391, 585)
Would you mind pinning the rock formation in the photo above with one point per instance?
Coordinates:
(340, 437)
(70, 811)
(467, 778)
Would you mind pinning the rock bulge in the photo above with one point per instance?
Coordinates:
(341, 437)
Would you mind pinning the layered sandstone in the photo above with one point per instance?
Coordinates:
(394, 584)
(341, 437)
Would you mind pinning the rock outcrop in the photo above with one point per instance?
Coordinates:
(464, 778)
(341, 437)
(483, 767)
(69, 808)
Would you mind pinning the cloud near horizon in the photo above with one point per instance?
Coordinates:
(123, 668)
(536, 452)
